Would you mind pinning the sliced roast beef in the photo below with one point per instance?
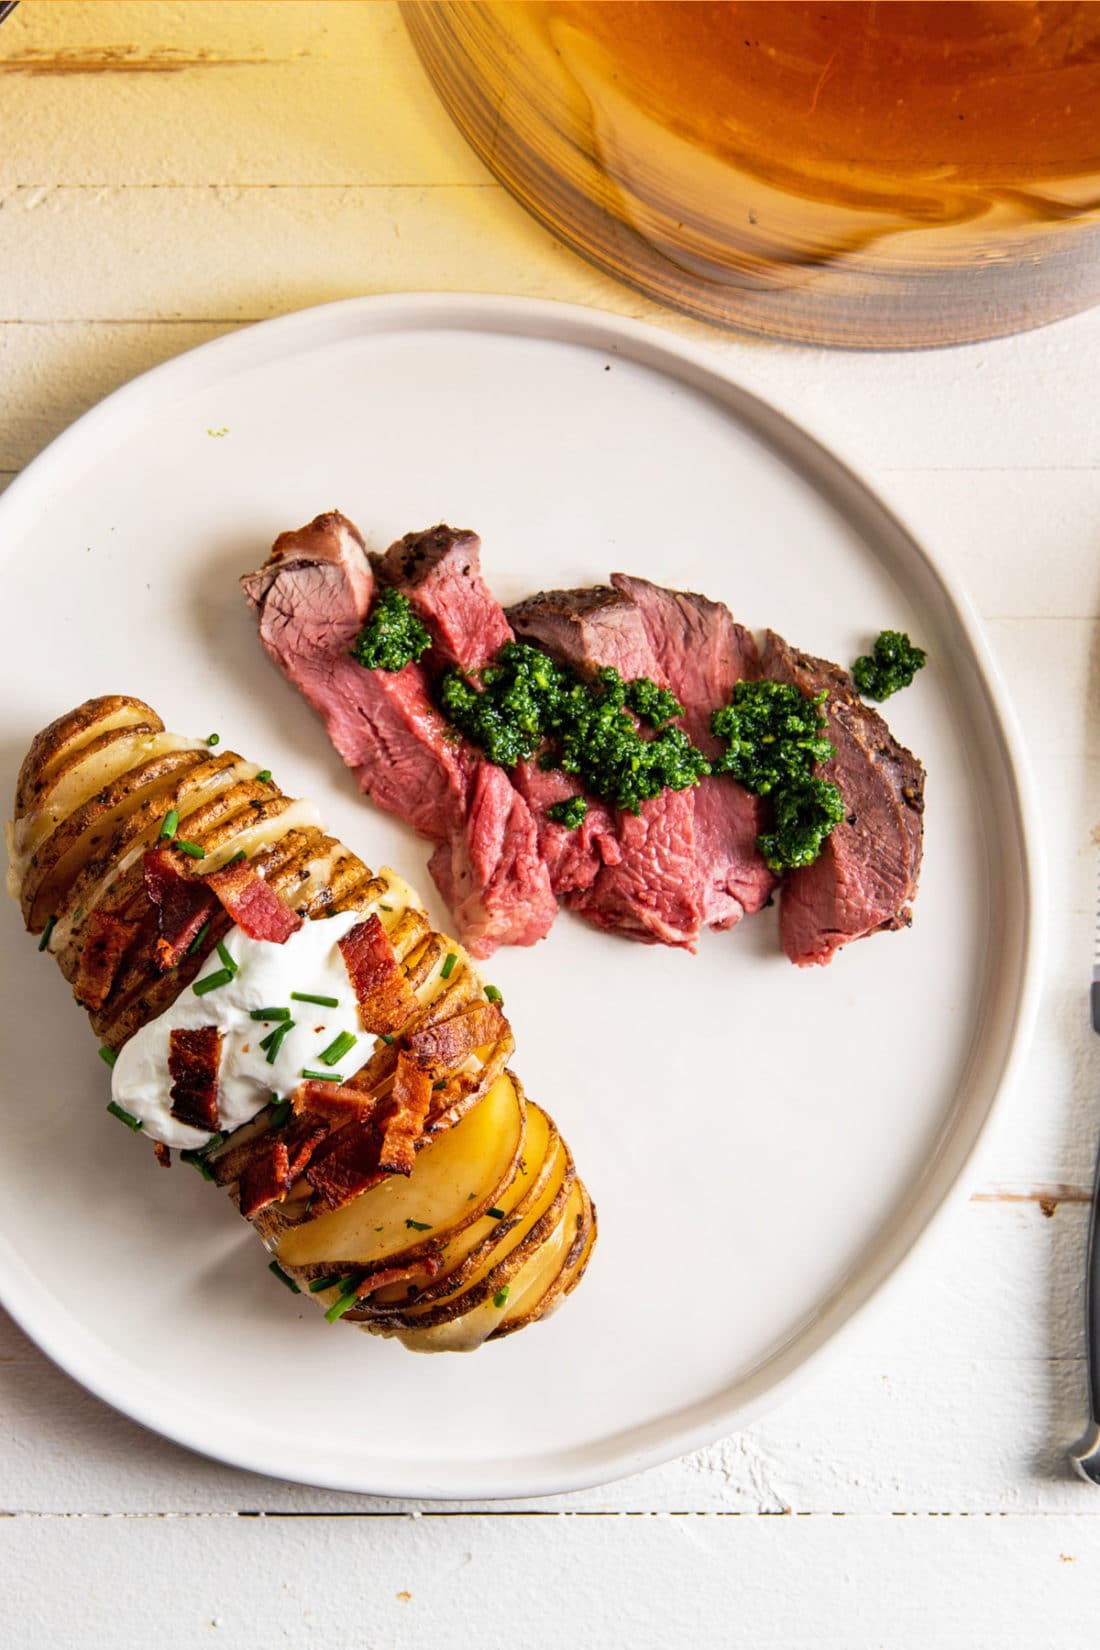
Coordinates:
(867, 871)
(589, 629)
(440, 573)
(312, 597)
(702, 653)
(647, 886)
(574, 857)
(491, 873)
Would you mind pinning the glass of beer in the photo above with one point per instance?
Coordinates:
(870, 175)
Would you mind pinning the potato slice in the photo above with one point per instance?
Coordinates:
(59, 743)
(529, 1283)
(87, 831)
(454, 1180)
(532, 1306)
(501, 1265)
(473, 1247)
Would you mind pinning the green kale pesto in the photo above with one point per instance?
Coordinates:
(569, 813)
(392, 636)
(891, 665)
(527, 702)
(774, 735)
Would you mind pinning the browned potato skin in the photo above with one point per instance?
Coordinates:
(573, 1269)
(126, 816)
(63, 739)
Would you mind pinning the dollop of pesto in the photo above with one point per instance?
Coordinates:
(891, 665)
(775, 735)
(570, 813)
(526, 702)
(392, 635)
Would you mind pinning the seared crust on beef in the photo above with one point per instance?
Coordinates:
(867, 872)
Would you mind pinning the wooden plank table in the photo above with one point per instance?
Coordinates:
(170, 172)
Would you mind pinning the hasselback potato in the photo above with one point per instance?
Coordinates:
(417, 1193)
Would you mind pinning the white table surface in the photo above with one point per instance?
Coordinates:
(169, 172)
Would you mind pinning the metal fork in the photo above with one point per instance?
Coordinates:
(1086, 1456)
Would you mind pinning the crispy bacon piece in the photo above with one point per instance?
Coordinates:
(183, 904)
(347, 1166)
(338, 1102)
(107, 942)
(385, 997)
(193, 1059)
(162, 1154)
(404, 1122)
(253, 906)
(440, 1048)
(265, 1181)
(271, 1173)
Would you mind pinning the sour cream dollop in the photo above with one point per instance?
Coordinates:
(310, 961)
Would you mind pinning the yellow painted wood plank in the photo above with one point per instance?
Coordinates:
(242, 253)
(329, 91)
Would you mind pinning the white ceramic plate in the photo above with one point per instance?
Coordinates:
(764, 1143)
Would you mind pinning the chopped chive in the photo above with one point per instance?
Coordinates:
(500, 1297)
(387, 1036)
(191, 849)
(211, 982)
(51, 924)
(493, 994)
(283, 1278)
(280, 1113)
(230, 962)
(170, 823)
(194, 1153)
(311, 997)
(78, 913)
(264, 776)
(385, 907)
(214, 739)
(328, 1282)
(341, 1305)
(497, 1214)
(126, 1117)
(269, 1014)
(273, 1042)
(336, 1050)
(198, 1163)
(237, 857)
(448, 967)
(321, 1076)
(108, 1055)
(442, 1084)
(419, 1225)
(199, 937)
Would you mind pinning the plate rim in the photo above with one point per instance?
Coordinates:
(557, 1472)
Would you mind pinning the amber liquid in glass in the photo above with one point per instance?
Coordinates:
(870, 174)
